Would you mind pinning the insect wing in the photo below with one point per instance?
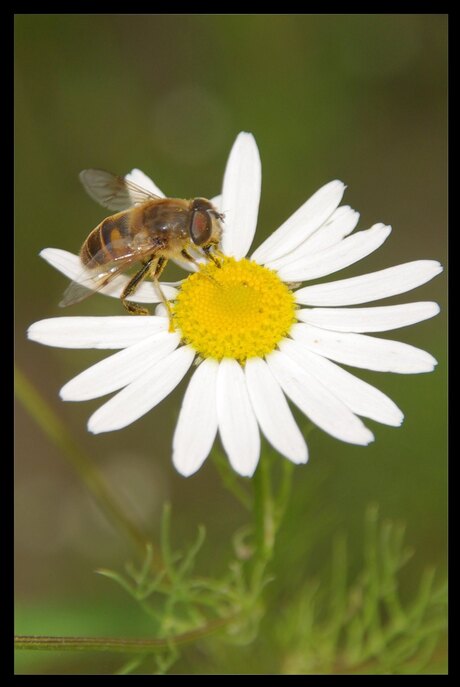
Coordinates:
(77, 291)
(114, 192)
(90, 281)
(93, 279)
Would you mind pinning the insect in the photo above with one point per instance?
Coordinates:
(147, 230)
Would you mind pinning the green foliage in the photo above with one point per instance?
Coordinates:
(360, 623)
(183, 606)
(362, 626)
(359, 626)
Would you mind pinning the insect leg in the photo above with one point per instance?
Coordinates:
(213, 256)
(159, 267)
(134, 308)
(189, 257)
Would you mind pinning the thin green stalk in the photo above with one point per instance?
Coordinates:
(119, 645)
(230, 479)
(284, 491)
(131, 665)
(264, 513)
(57, 432)
(264, 524)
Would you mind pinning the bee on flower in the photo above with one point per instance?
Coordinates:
(261, 337)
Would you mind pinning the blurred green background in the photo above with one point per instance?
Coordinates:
(361, 98)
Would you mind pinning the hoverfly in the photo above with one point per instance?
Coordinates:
(145, 229)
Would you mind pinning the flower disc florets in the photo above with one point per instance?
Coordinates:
(238, 310)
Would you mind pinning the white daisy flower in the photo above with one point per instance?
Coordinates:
(260, 340)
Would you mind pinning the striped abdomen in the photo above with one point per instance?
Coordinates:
(110, 240)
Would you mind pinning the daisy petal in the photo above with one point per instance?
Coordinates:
(240, 196)
(306, 220)
(336, 257)
(217, 202)
(197, 424)
(317, 402)
(161, 311)
(95, 332)
(340, 224)
(70, 265)
(63, 261)
(368, 319)
(120, 369)
(368, 352)
(237, 423)
(136, 399)
(185, 264)
(362, 398)
(370, 287)
(140, 179)
(273, 413)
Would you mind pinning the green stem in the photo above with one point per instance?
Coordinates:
(230, 479)
(120, 645)
(264, 512)
(57, 432)
(284, 491)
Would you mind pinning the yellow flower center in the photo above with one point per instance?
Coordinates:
(238, 310)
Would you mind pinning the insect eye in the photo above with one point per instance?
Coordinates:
(200, 227)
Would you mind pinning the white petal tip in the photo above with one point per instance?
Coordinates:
(31, 332)
(39, 332)
(384, 229)
(335, 188)
(301, 459)
(53, 254)
(432, 268)
(245, 134)
(185, 472)
(394, 418)
(428, 365)
(97, 430)
(68, 393)
(298, 455)
(137, 176)
(95, 426)
(243, 472)
(364, 438)
(368, 438)
(187, 467)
